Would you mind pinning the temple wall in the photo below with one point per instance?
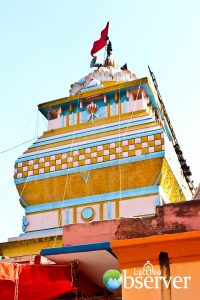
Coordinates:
(137, 207)
(40, 221)
(105, 156)
(107, 210)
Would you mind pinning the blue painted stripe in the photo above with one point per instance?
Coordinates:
(148, 90)
(42, 231)
(158, 201)
(85, 177)
(109, 210)
(167, 130)
(70, 147)
(63, 122)
(90, 167)
(155, 105)
(157, 179)
(94, 198)
(77, 249)
(67, 215)
(24, 202)
(90, 132)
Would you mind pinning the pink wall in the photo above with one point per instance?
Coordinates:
(89, 232)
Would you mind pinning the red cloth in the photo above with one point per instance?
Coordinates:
(42, 282)
(98, 45)
(8, 271)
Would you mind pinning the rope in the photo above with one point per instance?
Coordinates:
(119, 135)
(35, 156)
(51, 109)
(119, 138)
(133, 109)
(43, 119)
(66, 181)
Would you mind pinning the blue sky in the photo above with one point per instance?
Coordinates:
(45, 46)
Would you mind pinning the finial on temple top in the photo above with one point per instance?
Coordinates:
(109, 48)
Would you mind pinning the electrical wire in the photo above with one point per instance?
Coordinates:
(14, 147)
(36, 136)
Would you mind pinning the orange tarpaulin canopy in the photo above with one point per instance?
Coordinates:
(42, 282)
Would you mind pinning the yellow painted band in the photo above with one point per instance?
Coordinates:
(101, 211)
(117, 209)
(74, 214)
(60, 217)
(98, 135)
(28, 247)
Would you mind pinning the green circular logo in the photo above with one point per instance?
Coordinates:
(112, 279)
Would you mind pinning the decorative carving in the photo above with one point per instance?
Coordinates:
(87, 214)
(92, 108)
(24, 223)
(101, 75)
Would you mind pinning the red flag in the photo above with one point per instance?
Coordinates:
(98, 45)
